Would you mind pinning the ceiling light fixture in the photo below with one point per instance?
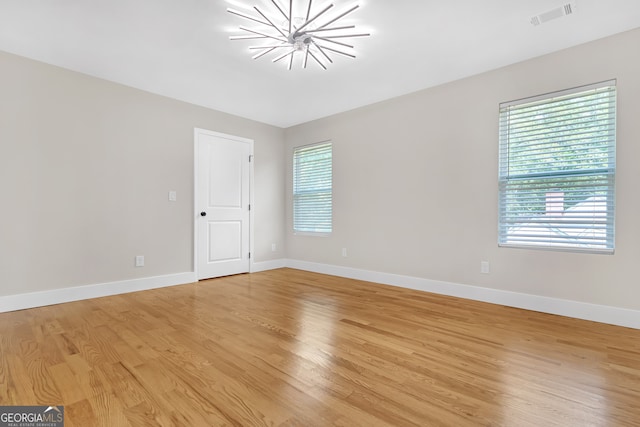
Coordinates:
(303, 33)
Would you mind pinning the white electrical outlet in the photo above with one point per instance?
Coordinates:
(273, 247)
(173, 196)
(484, 267)
(140, 261)
(344, 252)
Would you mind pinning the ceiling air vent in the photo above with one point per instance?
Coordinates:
(558, 12)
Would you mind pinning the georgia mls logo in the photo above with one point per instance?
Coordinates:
(31, 416)
(53, 408)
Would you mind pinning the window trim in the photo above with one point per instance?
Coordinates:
(301, 232)
(561, 176)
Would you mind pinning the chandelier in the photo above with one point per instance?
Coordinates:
(311, 33)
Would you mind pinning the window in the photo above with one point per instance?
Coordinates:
(557, 170)
(312, 188)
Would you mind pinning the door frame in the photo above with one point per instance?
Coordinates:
(196, 157)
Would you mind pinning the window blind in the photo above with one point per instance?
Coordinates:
(312, 188)
(557, 170)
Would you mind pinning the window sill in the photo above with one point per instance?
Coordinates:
(311, 233)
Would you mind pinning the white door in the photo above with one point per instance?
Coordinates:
(222, 204)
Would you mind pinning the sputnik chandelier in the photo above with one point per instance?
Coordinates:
(308, 33)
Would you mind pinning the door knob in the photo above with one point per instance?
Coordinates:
(203, 214)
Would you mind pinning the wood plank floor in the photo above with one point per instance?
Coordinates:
(292, 348)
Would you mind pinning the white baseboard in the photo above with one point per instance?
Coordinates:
(576, 309)
(580, 310)
(58, 296)
(268, 265)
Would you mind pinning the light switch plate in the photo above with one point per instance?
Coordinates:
(173, 196)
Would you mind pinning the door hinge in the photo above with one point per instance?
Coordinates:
(249, 255)
(249, 206)
(250, 158)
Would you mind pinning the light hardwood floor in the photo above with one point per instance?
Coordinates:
(292, 348)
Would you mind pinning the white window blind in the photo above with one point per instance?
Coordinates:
(557, 170)
(312, 188)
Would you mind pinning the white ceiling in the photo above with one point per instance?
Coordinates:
(181, 48)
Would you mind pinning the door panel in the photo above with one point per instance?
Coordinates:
(225, 241)
(226, 169)
(222, 204)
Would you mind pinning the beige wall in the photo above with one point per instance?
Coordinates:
(85, 170)
(85, 167)
(415, 182)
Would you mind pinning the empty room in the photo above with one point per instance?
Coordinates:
(319, 213)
